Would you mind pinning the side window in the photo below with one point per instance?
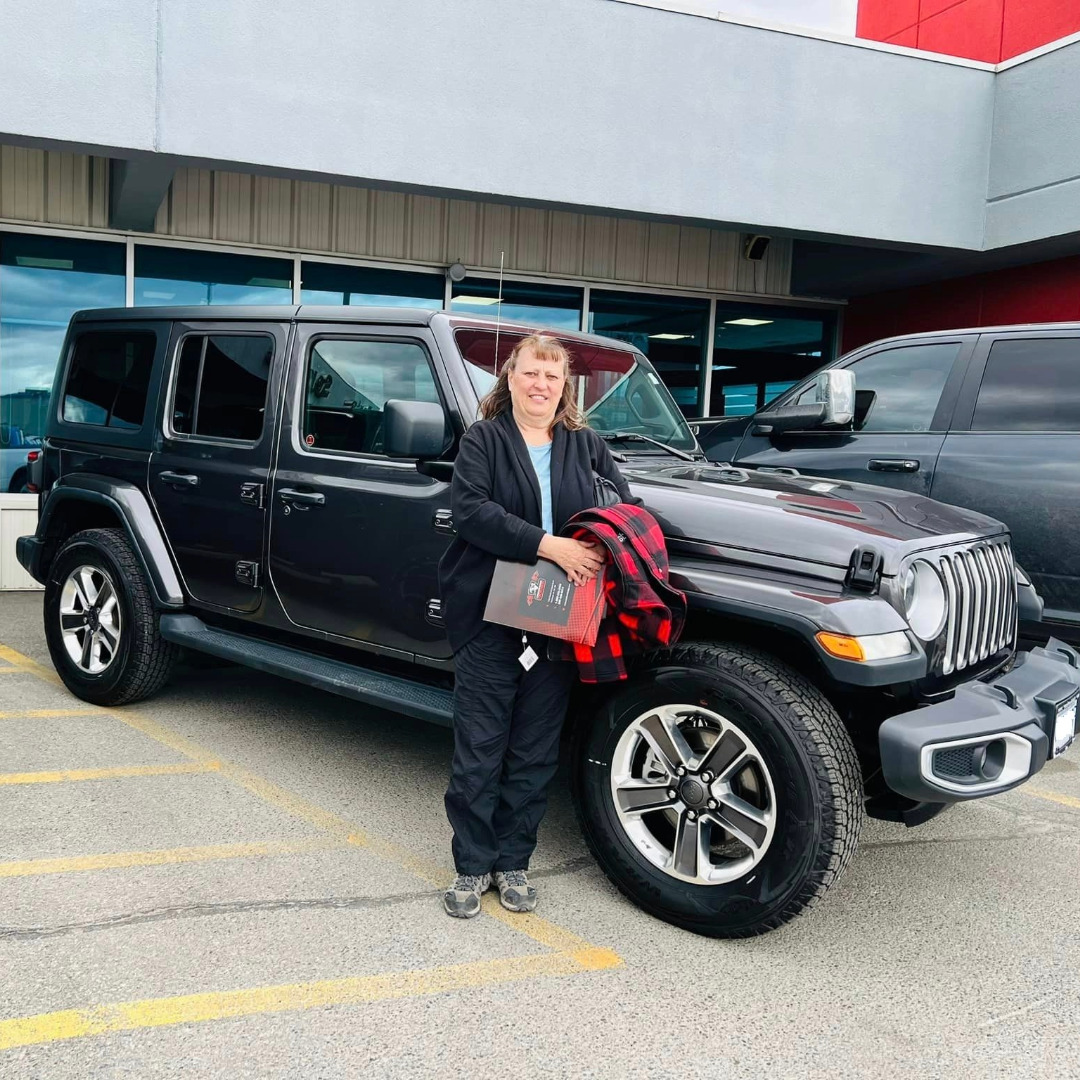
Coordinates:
(348, 383)
(220, 387)
(1030, 385)
(109, 377)
(898, 390)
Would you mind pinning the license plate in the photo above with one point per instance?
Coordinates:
(1065, 725)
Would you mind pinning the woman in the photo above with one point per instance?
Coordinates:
(521, 472)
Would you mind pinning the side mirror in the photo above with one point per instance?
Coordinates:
(833, 406)
(414, 429)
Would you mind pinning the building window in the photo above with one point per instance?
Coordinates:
(43, 280)
(669, 331)
(552, 306)
(365, 286)
(759, 352)
(173, 276)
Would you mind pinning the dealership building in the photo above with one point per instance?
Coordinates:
(742, 199)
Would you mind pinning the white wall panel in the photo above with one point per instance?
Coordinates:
(18, 517)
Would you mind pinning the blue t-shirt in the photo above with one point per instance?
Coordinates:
(541, 459)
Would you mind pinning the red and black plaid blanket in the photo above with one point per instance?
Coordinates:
(643, 610)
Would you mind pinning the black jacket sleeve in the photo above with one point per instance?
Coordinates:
(605, 466)
(479, 520)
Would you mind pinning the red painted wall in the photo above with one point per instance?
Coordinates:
(1042, 292)
(990, 30)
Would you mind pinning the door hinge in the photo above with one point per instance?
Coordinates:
(444, 521)
(252, 494)
(247, 573)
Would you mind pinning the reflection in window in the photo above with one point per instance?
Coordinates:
(365, 286)
(669, 331)
(543, 305)
(43, 280)
(349, 383)
(759, 352)
(170, 276)
(108, 378)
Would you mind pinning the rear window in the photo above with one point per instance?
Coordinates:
(109, 377)
(1030, 385)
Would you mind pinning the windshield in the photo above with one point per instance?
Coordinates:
(618, 389)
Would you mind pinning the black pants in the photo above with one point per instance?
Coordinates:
(506, 748)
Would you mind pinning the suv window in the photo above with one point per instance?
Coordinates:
(108, 378)
(349, 382)
(1030, 385)
(906, 383)
(220, 388)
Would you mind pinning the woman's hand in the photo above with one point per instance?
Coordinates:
(581, 559)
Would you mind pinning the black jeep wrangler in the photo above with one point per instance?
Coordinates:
(271, 486)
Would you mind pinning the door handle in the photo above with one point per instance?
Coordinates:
(177, 479)
(301, 498)
(893, 465)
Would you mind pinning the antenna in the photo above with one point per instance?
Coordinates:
(498, 313)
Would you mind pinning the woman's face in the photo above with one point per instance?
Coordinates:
(536, 387)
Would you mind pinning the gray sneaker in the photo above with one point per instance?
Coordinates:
(462, 899)
(515, 892)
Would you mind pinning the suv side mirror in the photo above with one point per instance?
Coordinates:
(414, 429)
(833, 406)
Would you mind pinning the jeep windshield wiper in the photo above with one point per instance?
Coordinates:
(615, 436)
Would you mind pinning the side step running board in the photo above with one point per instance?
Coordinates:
(371, 687)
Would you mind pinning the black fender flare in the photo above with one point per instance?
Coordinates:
(133, 510)
(799, 609)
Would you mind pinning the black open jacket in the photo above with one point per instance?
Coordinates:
(495, 497)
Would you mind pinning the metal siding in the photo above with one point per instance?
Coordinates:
(233, 207)
(191, 201)
(99, 192)
(531, 244)
(389, 224)
(427, 229)
(463, 232)
(22, 189)
(694, 257)
(662, 260)
(566, 243)
(723, 248)
(631, 244)
(496, 234)
(314, 215)
(351, 220)
(273, 211)
(601, 242)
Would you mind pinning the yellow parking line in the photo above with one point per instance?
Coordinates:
(191, 1008)
(163, 857)
(1051, 796)
(108, 774)
(531, 925)
(49, 714)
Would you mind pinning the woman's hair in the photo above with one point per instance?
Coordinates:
(497, 399)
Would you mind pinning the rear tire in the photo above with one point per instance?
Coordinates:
(100, 621)
(784, 776)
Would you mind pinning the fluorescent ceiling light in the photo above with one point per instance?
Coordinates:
(670, 337)
(44, 264)
(268, 283)
(476, 301)
(723, 367)
(747, 322)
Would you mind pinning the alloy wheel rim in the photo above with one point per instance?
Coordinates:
(693, 794)
(90, 620)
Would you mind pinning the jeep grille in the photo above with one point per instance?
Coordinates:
(980, 586)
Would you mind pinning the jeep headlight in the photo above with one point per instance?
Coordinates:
(923, 597)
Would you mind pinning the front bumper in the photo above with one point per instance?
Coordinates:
(987, 738)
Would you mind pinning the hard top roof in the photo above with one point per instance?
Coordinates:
(383, 316)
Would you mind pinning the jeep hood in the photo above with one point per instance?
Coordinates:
(810, 518)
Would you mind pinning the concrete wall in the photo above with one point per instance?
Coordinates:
(1034, 185)
(583, 103)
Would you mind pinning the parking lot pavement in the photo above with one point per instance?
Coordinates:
(240, 878)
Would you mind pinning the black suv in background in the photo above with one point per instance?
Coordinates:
(271, 485)
(988, 419)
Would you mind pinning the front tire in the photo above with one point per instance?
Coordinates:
(100, 622)
(719, 790)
